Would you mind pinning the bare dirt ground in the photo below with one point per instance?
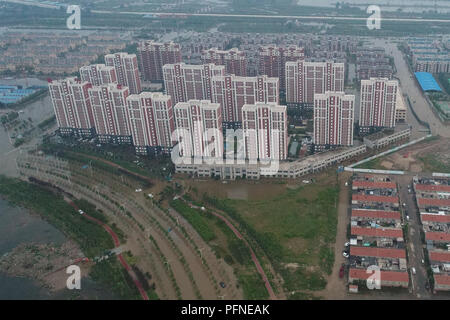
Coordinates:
(42, 262)
(408, 159)
(336, 287)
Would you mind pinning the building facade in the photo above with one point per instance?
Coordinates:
(265, 131)
(377, 103)
(98, 74)
(304, 79)
(233, 92)
(72, 106)
(151, 122)
(272, 60)
(185, 82)
(333, 119)
(109, 109)
(235, 61)
(152, 56)
(127, 71)
(198, 125)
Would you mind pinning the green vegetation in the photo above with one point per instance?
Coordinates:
(296, 230)
(433, 164)
(92, 238)
(47, 122)
(110, 273)
(253, 286)
(372, 164)
(195, 217)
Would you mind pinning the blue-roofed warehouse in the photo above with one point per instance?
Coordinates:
(427, 81)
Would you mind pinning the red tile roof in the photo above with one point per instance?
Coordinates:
(377, 232)
(442, 279)
(369, 198)
(374, 184)
(385, 275)
(377, 252)
(437, 236)
(435, 217)
(440, 256)
(434, 202)
(376, 214)
(433, 187)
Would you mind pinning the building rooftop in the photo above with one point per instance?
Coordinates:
(435, 218)
(376, 214)
(437, 236)
(374, 184)
(378, 252)
(393, 276)
(442, 279)
(377, 232)
(440, 256)
(433, 187)
(433, 202)
(369, 198)
(427, 81)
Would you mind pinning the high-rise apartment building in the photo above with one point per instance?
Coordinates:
(152, 56)
(151, 122)
(127, 71)
(333, 119)
(72, 106)
(185, 82)
(98, 74)
(109, 109)
(232, 92)
(304, 79)
(377, 104)
(265, 131)
(198, 126)
(235, 61)
(272, 60)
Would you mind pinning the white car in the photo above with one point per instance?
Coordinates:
(407, 218)
(138, 190)
(80, 211)
(347, 244)
(345, 254)
(413, 270)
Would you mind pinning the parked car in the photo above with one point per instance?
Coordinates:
(347, 244)
(341, 272)
(222, 284)
(80, 211)
(413, 270)
(345, 254)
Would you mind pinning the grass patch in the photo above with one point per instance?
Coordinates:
(431, 164)
(295, 229)
(196, 218)
(253, 287)
(92, 238)
(111, 274)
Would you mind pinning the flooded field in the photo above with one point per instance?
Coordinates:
(240, 189)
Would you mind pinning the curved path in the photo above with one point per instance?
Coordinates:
(116, 244)
(253, 255)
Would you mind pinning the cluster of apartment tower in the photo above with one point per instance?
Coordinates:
(204, 100)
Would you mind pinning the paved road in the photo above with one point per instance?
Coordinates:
(411, 88)
(414, 242)
(261, 16)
